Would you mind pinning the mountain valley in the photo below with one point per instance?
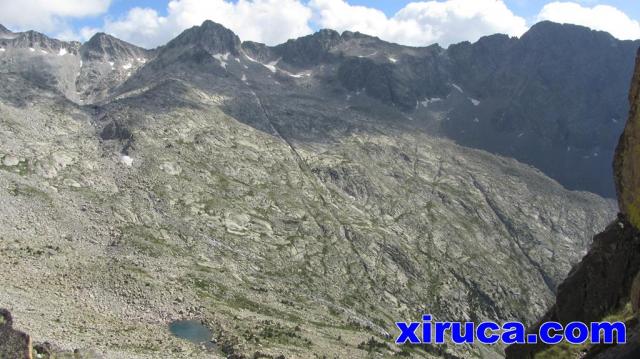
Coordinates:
(299, 199)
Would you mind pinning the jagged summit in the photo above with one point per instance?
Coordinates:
(210, 36)
(357, 35)
(310, 49)
(553, 30)
(34, 40)
(106, 47)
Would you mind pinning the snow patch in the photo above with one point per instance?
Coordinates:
(522, 134)
(300, 75)
(127, 66)
(244, 78)
(393, 60)
(62, 52)
(427, 101)
(457, 88)
(2, 49)
(272, 66)
(32, 49)
(126, 160)
(81, 63)
(44, 52)
(476, 120)
(370, 55)
(141, 60)
(474, 101)
(111, 63)
(222, 58)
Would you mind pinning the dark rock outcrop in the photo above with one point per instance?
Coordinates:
(108, 48)
(627, 161)
(311, 49)
(13, 344)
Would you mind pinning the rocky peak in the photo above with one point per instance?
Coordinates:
(211, 36)
(627, 158)
(36, 40)
(310, 49)
(350, 35)
(106, 47)
(547, 32)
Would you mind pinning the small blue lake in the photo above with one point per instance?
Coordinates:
(191, 330)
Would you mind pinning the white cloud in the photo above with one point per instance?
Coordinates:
(268, 21)
(600, 17)
(142, 27)
(275, 21)
(47, 15)
(423, 23)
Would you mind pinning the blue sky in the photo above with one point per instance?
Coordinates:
(525, 8)
(151, 23)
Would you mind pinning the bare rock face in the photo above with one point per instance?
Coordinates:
(627, 160)
(13, 343)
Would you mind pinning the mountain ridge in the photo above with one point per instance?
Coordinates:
(550, 93)
(294, 204)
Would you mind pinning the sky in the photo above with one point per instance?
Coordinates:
(151, 23)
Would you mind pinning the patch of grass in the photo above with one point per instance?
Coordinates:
(28, 191)
(145, 239)
(242, 302)
(277, 333)
(562, 350)
(22, 168)
(372, 345)
(565, 350)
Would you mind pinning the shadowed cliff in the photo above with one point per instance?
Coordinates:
(605, 284)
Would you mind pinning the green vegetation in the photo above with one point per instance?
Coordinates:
(372, 345)
(565, 350)
(22, 168)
